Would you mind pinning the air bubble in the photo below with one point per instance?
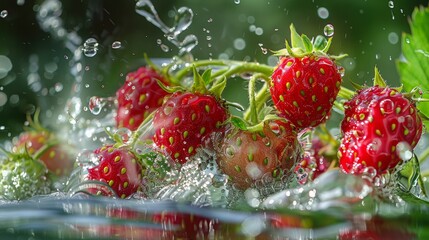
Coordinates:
(393, 38)
(323, 13)
(3, 13)
(237, 1)
(391, 4)
(90, 47)
(116, 45)
(328, 30)
(239, 44)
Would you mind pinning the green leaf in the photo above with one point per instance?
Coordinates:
(218, 87)
(199, 84)
(307, 44)
(207, 74)
(378, 80)
(320, 42)
(295, 39)
(239, 123)
(414, 68)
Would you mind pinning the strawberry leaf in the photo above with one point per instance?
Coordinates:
(207, 74)
(239, 123)
(378, 80)
(414, 67)
(295, 39)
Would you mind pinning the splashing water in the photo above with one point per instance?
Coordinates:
(323, 193)
(183, 20)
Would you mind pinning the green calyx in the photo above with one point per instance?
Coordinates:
(301, 45)
(258, 113)
(203, 83)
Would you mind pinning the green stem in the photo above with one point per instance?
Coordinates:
(424, 156)
(45, 148)
(237, 67)
(259, 99)
(346, 93)
(253, 113)
(202, 63)
(249, 67)
(139, 131)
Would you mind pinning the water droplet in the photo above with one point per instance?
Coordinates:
(264, 50)
(259, 31)
(391, 4)
(116, 45)
(393, 38)
(124, 134)
(164, 48)
(404, 151)
(96, 104)
(328, 30)
(341, 70)
(188, 44)
(373, 147)
(387, 106)
(3, 13)
(183, 20)
(323, 13)
(239, 44)
(90, 47)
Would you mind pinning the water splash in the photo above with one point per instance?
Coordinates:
(183, 20)
(331, 189)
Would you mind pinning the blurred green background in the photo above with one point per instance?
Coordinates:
(41, 62)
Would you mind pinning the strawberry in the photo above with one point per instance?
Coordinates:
(56, 158)
(119, 168)
(139, 96)
(306, 81)
(376, 120)
(187, 119)
(319, 153)
(57, 155)
(22, 177)
(247, 156)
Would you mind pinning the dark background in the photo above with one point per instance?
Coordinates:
(42, 58)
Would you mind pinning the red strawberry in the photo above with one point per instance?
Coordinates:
(56, 158)
(37, 140)
(119, 168)
(185, 121)
(313, 163)
(376, 120)
(247, 156)
(305, 83)
(139, 96)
